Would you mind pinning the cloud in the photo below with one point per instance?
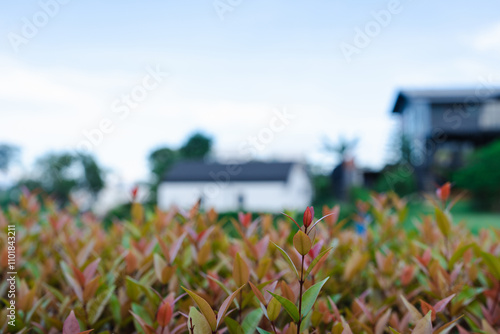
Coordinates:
(488, 39)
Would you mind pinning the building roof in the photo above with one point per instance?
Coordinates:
(199, 171)
(445, 96)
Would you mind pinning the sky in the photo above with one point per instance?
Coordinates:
(265, 79)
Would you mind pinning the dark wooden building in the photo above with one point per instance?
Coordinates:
(443, 127)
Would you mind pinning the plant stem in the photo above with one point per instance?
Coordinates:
(301, 282)
(274, 327)
(240, 297)
(497, 297)
(191, 328)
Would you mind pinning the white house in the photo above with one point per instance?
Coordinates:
(252, 186)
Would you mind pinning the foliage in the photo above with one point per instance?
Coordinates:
(485, 162)
(399, 178)
(180, 272)
(8, 153)
(161, 160)
(399, 174)
(61, 174)
(197, 147)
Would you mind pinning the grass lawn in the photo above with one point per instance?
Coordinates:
(462, 211)
(478, 220)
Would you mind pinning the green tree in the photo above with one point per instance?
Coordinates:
(197, 147)
(160, 160)
(8, 153)
(481, 176)
(399, 174)
(60, 174)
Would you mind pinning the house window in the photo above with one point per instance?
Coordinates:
(241, 201)
(490, 116)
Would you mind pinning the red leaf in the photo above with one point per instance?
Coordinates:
(245, 218)
(90, 270)
(78, 275)
(164, 313)
(440, 305)
(262, 247)
(134, 192)
(443, 192)
(316, 249)
(71, 325)
(308, 216)
(426, 308)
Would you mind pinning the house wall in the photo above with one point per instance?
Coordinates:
(417, 128)
(274, 197)
(467, 118)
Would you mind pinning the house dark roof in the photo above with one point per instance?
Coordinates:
(445, 96)
(198, 171)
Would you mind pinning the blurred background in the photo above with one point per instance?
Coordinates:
(250, 105)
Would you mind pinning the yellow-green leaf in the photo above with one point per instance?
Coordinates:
(424, 325)
(273, 309)
(241, 274)
(302, 243)
(159, 265)
(443, 222)
(205, 308)
(198, 321)
(415, 315)
(493, 264)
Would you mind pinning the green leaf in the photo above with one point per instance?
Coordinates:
(309, 297)
(459, 253)
(287, 258)
(443, 222)
(133, 288)
(493, 264)
(261, 331)
(200, 323)
(114, 304)
(251, 321)
(306, 323)
(316, 260)
(233, 326)
(142, 319)
(288, 306)
(96, 305)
